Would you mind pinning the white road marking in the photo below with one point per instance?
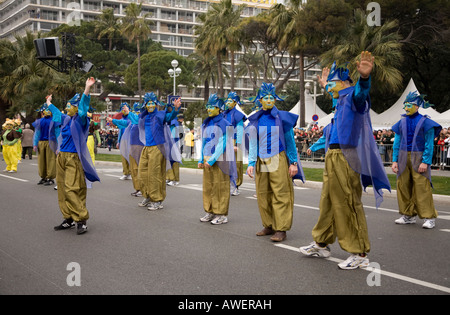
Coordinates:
(191, 187)
(15, 178)
(113, 175)
(382, 272)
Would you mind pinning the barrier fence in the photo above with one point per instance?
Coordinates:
(441, 157)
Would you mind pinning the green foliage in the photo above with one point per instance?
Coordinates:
(154, 66)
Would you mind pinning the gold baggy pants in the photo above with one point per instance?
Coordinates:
(71, 186)
(134, 169)
(239, 167)
(152, 174)
(216, 190)
(275, 192)
(341, 210)
(125, 166)
(46, 160)
(414, 193)
(174, 173)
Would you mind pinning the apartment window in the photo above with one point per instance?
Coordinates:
(185, 16)
(48, 26)
(92, 6)
(49, 15)
(53, 3)
(168, 15)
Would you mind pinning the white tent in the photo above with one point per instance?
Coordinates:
(388, 118)
(327, 119)
(444, 119)
(310, 109)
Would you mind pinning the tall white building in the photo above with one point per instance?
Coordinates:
(173, 27)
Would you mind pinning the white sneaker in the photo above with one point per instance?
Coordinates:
(172, 183)
(353, 262)
(155, 206)
(144, 202)
(219, 219)
(125, 177)
(406, 219)
(429, 223)
(315, 250)
(235, 192)
(207, 217)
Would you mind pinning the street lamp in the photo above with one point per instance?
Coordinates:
(173, 73)
(108, 109)
(313, 86)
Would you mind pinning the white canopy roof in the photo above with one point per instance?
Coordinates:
(444, 119)
(388, 118)
(324, 121)
(310, 109)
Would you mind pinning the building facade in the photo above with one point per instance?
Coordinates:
(174, 22)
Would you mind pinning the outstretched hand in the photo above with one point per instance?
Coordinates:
(365, 66)
(177, 103)
(323, 79)
(89, 83)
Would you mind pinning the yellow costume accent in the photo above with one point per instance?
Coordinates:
(10, 157)
(91, 147)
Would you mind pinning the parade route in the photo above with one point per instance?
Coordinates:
(130, 250)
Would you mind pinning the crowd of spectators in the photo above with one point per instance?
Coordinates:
(384, 138)
(305, 138)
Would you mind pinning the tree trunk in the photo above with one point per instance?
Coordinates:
(206, 91)
(139, 70)
(302, 105)
(232, 70)
(220, 76)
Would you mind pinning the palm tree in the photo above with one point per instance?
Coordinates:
(205, 68)
(107, 25)
(136, 28)
(384, 44)
(251, 64)
(285, 26)
(19, 69)
(216, 35)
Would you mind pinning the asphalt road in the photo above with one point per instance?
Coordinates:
(129, 250)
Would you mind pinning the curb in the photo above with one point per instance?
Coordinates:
(309, 184)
